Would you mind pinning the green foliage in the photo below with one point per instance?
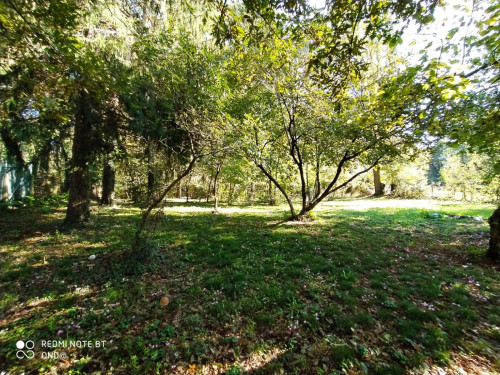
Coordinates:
(408, 175)
(469, 174)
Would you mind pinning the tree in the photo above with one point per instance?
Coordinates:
(284, 111)
(64, 61)
(464, 172)
(473, 118)
(36, 39)
(178, 108)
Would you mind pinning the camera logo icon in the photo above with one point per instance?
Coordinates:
(25, 349)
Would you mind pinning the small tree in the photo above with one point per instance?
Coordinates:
(286, 114)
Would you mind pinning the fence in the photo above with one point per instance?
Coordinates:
(14, 184)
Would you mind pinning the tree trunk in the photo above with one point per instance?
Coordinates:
(5, 184)
(216, 205)
(66, 171)
(379, 186)
(216, 186)
(230, 194)
(272, 198)
(317, 181)
(178, 193)
(282, 190)
(308, 186)
(157, 201)
(330, 189)
(494, 245)
(209, 190)
(43, 171)
(251, 192)
(151, 176)
(151, 184)
(79, 190)
(108, 183)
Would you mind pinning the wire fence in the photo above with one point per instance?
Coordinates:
(14, 183)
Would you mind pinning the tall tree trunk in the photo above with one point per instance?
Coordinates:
(179, 191)
(216, 186)
(64, 169)
(251, 192)
(151, 176)
(108, 183)
(272, 198)
(151, 183)
(494, 245)
(308, 186)
(379, 186)
(41, 169)
(209, 190)
(79, 190)
(317, 181)
(230, 194)
(216, 178)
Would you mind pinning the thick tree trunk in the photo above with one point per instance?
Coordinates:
(79, 190)
(67, 181)
(494, 245)
(151, 183)
(379, 186)
(108, 183)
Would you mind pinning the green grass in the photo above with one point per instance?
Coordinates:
(372, 286)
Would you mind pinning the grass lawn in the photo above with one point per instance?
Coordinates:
(372, 286)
